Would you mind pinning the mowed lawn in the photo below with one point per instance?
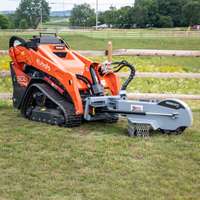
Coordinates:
(96, 161)
(100, 161)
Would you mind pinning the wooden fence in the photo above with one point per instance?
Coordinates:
(134, 52)
(128, 33)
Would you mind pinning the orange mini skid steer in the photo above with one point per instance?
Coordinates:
(53, 84)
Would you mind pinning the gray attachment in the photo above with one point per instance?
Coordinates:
(168, 114)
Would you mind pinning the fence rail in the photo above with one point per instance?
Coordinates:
(142, 52)
(134, 52)
(104, 33)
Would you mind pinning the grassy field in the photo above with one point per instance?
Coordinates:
(79, 42)
(55, 18)
(54, 24)
(100, 161)
(40, 161)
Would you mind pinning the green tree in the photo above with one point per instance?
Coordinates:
(23, 24)
(173, 9)
(4, 22)
(92, 20)
(158, 8)
(151, 8)
(140, 16)
(80, 14)
(191, 12)
(122, 17)
(110, 16)
(166, 22)
(11, 16)
(31, 11)
(12, 26)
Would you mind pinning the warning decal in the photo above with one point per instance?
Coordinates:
(136, 108)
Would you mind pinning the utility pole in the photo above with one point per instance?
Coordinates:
(96, 14)
(41, 19)
(63, 10)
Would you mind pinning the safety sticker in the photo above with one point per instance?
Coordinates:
(136, 108)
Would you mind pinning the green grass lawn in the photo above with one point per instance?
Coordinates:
(54, 24)
(100, 161)
(40, 161)
(79, 42)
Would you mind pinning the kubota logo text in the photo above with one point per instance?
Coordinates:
(41, 64)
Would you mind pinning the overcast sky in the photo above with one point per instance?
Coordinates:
(58, 6)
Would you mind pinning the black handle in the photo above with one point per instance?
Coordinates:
(12, 40)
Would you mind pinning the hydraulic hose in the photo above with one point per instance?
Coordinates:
(85, 80)
(122, 65)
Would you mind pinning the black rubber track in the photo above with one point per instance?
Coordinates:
(68, 109)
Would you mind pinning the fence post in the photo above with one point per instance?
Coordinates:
(140, 33)
(124, 33)
(91, 33)
(172, 33)
(73, 31)
(21, 31)
(156, 33)
(109, 60)
(3, 32)
(108, 33)
(109, 51)
(56, 31)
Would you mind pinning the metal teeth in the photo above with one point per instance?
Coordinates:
(140, 130)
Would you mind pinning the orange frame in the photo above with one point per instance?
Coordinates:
(63, 69)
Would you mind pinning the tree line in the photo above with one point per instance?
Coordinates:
(144, 13)
(27, 15)
(156, 13)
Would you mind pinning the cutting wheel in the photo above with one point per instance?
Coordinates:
(178, 131)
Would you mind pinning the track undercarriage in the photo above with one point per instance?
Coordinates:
(43, 103)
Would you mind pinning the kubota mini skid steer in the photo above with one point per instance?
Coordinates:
(53, 84)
